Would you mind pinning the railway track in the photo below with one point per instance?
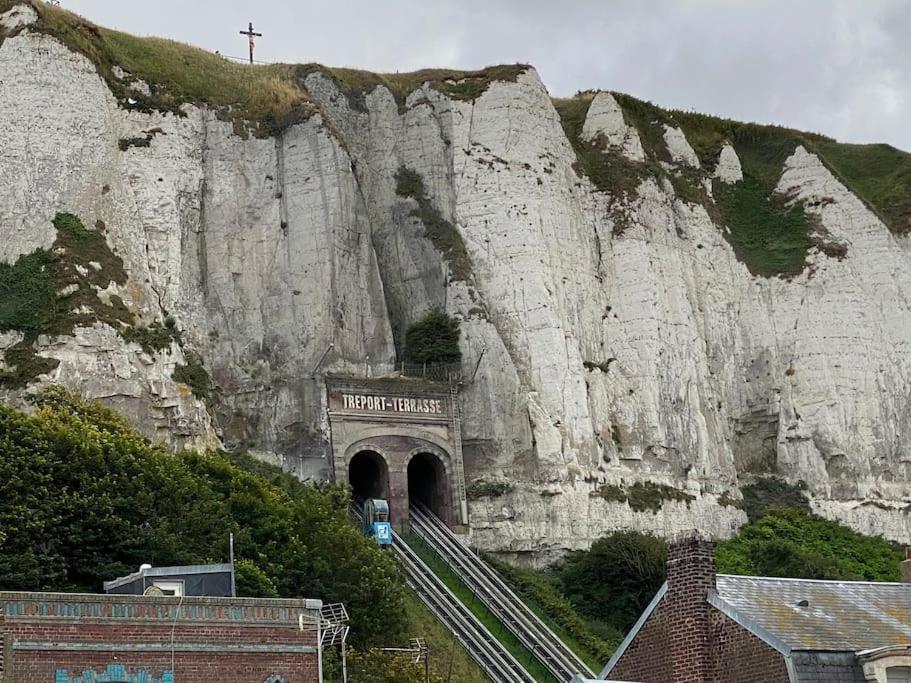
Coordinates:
(490, 589)
(499, 665)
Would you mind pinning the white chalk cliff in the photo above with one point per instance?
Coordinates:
(623, 339)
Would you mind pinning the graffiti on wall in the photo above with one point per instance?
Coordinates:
(114, 673)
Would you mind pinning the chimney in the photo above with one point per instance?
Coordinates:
(690, 576)
(906, 567)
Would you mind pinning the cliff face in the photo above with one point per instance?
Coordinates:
(637, 338)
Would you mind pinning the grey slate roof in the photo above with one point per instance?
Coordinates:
(839, 615)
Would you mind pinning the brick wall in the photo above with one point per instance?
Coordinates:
(686, 640)
(740, 657)
(46, 636)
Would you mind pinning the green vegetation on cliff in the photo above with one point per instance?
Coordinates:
(790, 542)
(433, 339)
(262, 99)
(771, 234)
(593, 641)
(83, 498)
(52, 291)
(356, 84)
(443, 234)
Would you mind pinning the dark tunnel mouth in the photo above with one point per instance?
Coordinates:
(368, 476)
(427, 484)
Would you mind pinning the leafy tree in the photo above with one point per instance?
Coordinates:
(616, 579)
(84, 498)
(433, 339)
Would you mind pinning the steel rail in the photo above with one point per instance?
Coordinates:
(497, 662)
(493, 592)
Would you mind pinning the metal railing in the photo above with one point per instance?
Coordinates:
(435, 372)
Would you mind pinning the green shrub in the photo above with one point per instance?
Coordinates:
(614, 580)
(488, 489)
(84, 498)
(443, 234)
(641, 496)
(771, 492)
(194, 375)
(433, 339)
(155, 337)
(794, 543)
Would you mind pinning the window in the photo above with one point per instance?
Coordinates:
(174, 588)
(898, 674)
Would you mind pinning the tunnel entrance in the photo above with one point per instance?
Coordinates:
(368, 475)
(427, 484)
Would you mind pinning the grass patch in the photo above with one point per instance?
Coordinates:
(51, 292)
(443, 234)
(594, 643)
(768, 236)
(506, 638)
(155, 337)
(448, 658)
(356, 84)
(642, 496)
(608, 171)
(488, 489)
(194, 375)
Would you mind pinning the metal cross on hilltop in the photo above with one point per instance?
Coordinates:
(250, 33)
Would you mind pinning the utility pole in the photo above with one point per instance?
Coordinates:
(251, 34)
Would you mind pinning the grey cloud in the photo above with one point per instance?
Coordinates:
(840, 67)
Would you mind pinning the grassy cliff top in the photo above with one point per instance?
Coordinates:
(268, 96)
(877, 173)
(265, 98)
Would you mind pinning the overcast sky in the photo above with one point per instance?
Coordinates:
(839, 67)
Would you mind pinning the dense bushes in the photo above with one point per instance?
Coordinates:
(614, 580)
(791, 542)
(83, 498)
(433, 339)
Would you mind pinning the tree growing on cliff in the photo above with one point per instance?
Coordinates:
(433, 339)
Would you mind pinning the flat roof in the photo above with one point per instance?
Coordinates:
(169, 571)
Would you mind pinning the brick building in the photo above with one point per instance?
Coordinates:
(707, 628)
(81, 638)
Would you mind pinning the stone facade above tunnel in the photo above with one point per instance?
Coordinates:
(407, 423)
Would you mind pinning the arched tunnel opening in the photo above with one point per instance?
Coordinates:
(427, 484)
(368, 475)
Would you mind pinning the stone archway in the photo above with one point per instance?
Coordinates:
(368, 475)
(429, 485)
